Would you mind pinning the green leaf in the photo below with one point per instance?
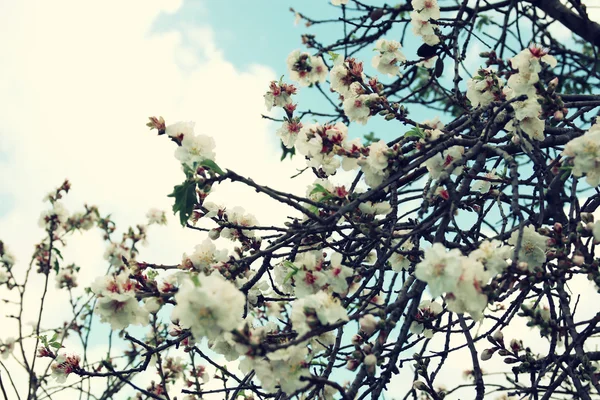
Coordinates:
(370, 138)
(185, 200)
(57, 251)
(319, 189)
(333, 55)
(416, 131)
(287, 151)
(56, 345)
(213, 166)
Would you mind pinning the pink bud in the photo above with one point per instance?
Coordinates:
(368, 324)
(558, 115)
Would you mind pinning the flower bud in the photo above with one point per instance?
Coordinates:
(578, 260)
(558, 115)
(368, 324)
(352, 365)
(370, 360)
(487, 354)
(553, 84)
(587, 217)
(357, 340)
(214, 234)
(418, 385)
(498, 336)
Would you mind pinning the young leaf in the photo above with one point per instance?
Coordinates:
(416, 131)
(185, 200)
(213, 166)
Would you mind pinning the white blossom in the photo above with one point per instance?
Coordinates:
(182, 128)
(208, 309)
(427, 9)
(533, 247)
(585, 152)
(441, 269)
(319, 309)
(117, 303)
(195, 149)
(389, 57)
(357, 109)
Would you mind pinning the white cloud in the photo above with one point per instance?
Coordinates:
(77, 83)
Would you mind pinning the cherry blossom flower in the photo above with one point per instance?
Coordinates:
(279, 95)
(306, 69)
(533, 247)
(63, 365)
(195, 149)
(156, 216)
(441, 269)
(389, 57)
(358, 109)
(6, 347)
(288, 132)
(428, 310)
(427, 9)
(319, 309)
(180, 129)
(210, 308)
(204, 257)
(117, 303)
(337, 274)
(585, 153)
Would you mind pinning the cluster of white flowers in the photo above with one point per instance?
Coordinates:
(461, 277)
(445, 161)
(156, 216)
(63, 365)
(208, 306)
(527, 112)
(484, 88)
(389, 57)
(6, 347)
(316, 310)
(375, 166)
(239, 217)
(281, 368)
(279, 95)
(306, 69)
(310, 273)
(114, 254)
(533, 247)
(424, 11)
(57, 215)
(117, 303)
(66, 277)
(345, 77)
(194, 148)
(204, 257)
(358, 109)
(585, 152)
(320, 143)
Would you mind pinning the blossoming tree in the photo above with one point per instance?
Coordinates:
(466, 246)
